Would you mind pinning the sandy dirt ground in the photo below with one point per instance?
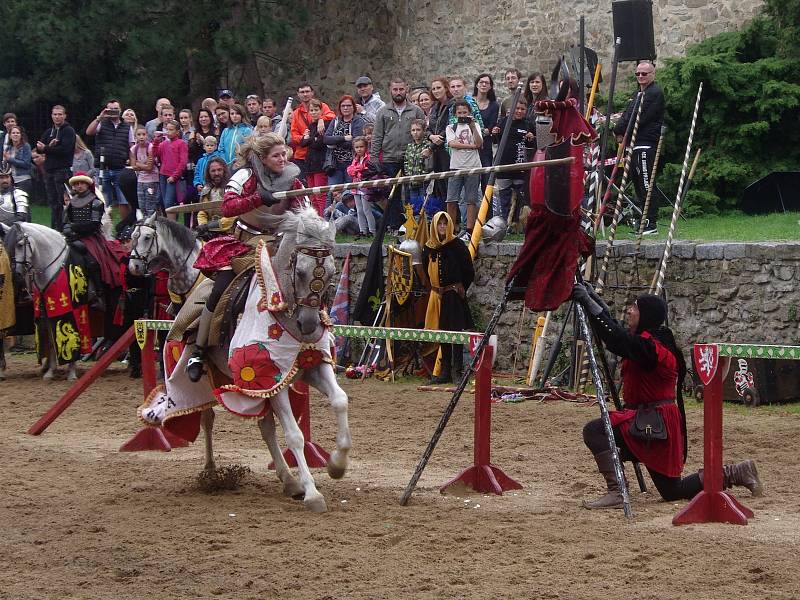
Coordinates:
(81, 520)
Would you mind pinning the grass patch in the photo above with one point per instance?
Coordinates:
(733, 227)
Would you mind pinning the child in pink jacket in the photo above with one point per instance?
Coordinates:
(366, 220)
(172, 155)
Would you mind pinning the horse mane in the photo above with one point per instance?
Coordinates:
(315, 227)
(181, 234)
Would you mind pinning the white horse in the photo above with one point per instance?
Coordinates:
(38, 254)
(161, 244)
(283, 321)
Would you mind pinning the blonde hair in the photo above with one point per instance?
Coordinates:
(264, 121)
(80, 144)
(260, 145)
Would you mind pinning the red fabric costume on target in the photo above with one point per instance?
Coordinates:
(553, 235)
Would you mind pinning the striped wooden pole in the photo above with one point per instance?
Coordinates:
(658, 280)
(612, 230)
(381, 183)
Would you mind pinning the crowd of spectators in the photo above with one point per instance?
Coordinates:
(154, 164)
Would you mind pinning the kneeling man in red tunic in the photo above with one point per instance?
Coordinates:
(651, 428)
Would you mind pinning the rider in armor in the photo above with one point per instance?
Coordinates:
(13, 202)
(264, 168)
(83, 216)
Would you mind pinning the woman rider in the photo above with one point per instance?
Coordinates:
(448, 266)
(653, 370)
(263, 170)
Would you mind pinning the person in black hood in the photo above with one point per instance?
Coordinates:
(653, 369)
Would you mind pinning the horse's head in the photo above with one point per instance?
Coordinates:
(160, 244)
(305, 265)
(34, 249)
(20, 247)
(144, 247)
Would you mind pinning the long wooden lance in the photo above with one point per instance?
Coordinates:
(648, 199)
(662, 269)
(658, 277)
(595, 83)
(477, 230)
(627, 145)
(379, 183)
(604, 136)
(618, 206)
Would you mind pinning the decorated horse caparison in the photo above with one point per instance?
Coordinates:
(38, 254)
(283, 334)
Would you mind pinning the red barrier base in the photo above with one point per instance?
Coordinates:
(316, 457)
(484, 478)
(713, 507)
(147, 438)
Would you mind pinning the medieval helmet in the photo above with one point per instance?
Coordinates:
(5, 169)
(494, 230)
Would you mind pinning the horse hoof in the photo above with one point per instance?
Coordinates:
(335, 471)
(47, 377)
(316, 505)
(72, 377)
(293, 489)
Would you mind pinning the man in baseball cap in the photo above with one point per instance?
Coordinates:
(369, 101)
(225, 96)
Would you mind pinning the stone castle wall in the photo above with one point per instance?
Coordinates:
(420, 39)
(726, 292)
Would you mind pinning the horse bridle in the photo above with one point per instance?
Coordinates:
(136, 255)
(27, 264)
(317, 286)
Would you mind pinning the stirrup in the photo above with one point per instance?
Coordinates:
(195, 367)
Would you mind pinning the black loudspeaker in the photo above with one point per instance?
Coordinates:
(633, 23)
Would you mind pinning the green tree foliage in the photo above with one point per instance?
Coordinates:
(84, 51)
(748, 125)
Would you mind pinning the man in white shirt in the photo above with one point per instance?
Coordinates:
(464, 140)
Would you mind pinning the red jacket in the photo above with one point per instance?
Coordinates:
(300, 122)
(641, 386)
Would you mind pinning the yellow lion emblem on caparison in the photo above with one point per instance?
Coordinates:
(67, 340)
(77, 282)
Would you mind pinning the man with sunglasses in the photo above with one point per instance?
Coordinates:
(644, 152)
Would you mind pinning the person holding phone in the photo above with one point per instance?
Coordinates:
(464, 140)
(113, 139)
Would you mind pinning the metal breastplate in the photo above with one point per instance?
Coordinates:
(80, 214)
(7, 202)
(7, 217)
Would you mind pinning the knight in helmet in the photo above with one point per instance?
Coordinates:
(13, 201)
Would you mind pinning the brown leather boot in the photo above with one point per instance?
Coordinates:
(613, 498)
(744, 474)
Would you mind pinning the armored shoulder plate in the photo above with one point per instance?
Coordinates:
(236, 182)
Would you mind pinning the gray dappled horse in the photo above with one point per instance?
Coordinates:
(38, 253)
(160, 244)
(304, 267)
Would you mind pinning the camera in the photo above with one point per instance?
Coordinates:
(112, 112)
(465, 119)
